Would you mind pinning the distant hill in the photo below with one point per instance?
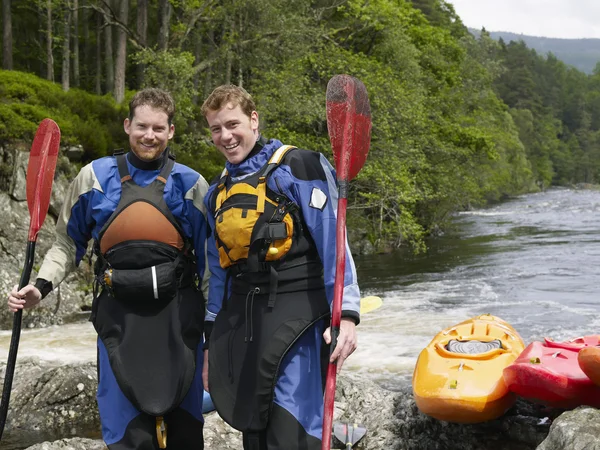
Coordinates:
(583, 54)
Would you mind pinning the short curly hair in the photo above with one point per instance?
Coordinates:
(156, 98)
(229, 93)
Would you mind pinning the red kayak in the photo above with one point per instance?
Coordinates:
(548, 372)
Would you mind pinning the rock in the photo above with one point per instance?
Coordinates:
(51, 402)
(219, 435)
(74, 296)
(18, 188)
(70, 444)
(574, 430)
(74, 152)
(393, 421)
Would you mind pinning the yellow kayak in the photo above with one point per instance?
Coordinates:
(458, 376)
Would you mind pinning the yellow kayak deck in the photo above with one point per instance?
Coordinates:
(467, 387)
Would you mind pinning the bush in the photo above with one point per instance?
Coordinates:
(94, 122)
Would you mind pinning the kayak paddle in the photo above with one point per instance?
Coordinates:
(40, 174)
(349, 128)
(369, 304)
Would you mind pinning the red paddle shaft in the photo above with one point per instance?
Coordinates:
(40, 175)
(349, 127)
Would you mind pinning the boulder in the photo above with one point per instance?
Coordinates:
(73, 298)
(574, 430)
(51, 402)
(70, 444)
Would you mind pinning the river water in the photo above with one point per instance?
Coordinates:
(533, 261)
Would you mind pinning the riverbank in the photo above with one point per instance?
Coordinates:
(51, 403)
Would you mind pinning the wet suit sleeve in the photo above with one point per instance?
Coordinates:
(197, 216)
(216, 285)
(73, 228)
(309, 180)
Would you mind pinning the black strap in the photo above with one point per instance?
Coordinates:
(226, 291)
(252, 441)
(167, 167)
(165, 172)
(122, 165)
(273, 282)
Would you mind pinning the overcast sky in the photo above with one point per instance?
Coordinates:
(550, 18)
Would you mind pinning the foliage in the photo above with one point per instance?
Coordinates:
(458, 120)
(91, 121)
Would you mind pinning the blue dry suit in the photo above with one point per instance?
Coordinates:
(236, 316)
(145, 323)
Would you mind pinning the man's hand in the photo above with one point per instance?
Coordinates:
(346, 343)
(205, 371)
(25, 298)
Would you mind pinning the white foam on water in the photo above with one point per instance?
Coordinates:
(484, 213)
(70, 343)
(391, 337)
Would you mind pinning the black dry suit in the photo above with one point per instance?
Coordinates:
(148, 314)
(277, 294)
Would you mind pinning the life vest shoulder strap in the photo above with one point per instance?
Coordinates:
(124, 170)
(277, 157)
(274, 161)
(165, 172)
(122, 166)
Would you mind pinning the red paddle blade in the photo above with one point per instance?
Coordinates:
(40, 174)
(349, 124)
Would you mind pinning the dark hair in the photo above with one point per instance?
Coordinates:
(156, 98)
(229, 93)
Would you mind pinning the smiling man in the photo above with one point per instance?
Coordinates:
(146, 216)
(272, 262)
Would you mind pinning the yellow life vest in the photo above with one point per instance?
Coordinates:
(253, 224)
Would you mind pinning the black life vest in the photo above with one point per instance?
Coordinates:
(142, 251)
(150, 313)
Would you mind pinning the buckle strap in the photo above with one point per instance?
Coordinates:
(122, 166)
(167, 167)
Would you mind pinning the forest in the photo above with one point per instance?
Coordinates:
(582, 54)
(458, 121)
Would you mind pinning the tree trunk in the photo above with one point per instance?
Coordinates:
(49, 56)
(99, 21)
(121, 61)
(197, 56)
(230, 56)
(7, 38)
(66, 57)
(108, 55)
(164, 20)
(75, 42)
(211, 50)
(240, 52)
(142, 31)
(87, 19)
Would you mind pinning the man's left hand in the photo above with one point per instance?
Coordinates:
(346, 342)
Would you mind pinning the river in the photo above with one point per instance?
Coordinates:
(534, 261)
